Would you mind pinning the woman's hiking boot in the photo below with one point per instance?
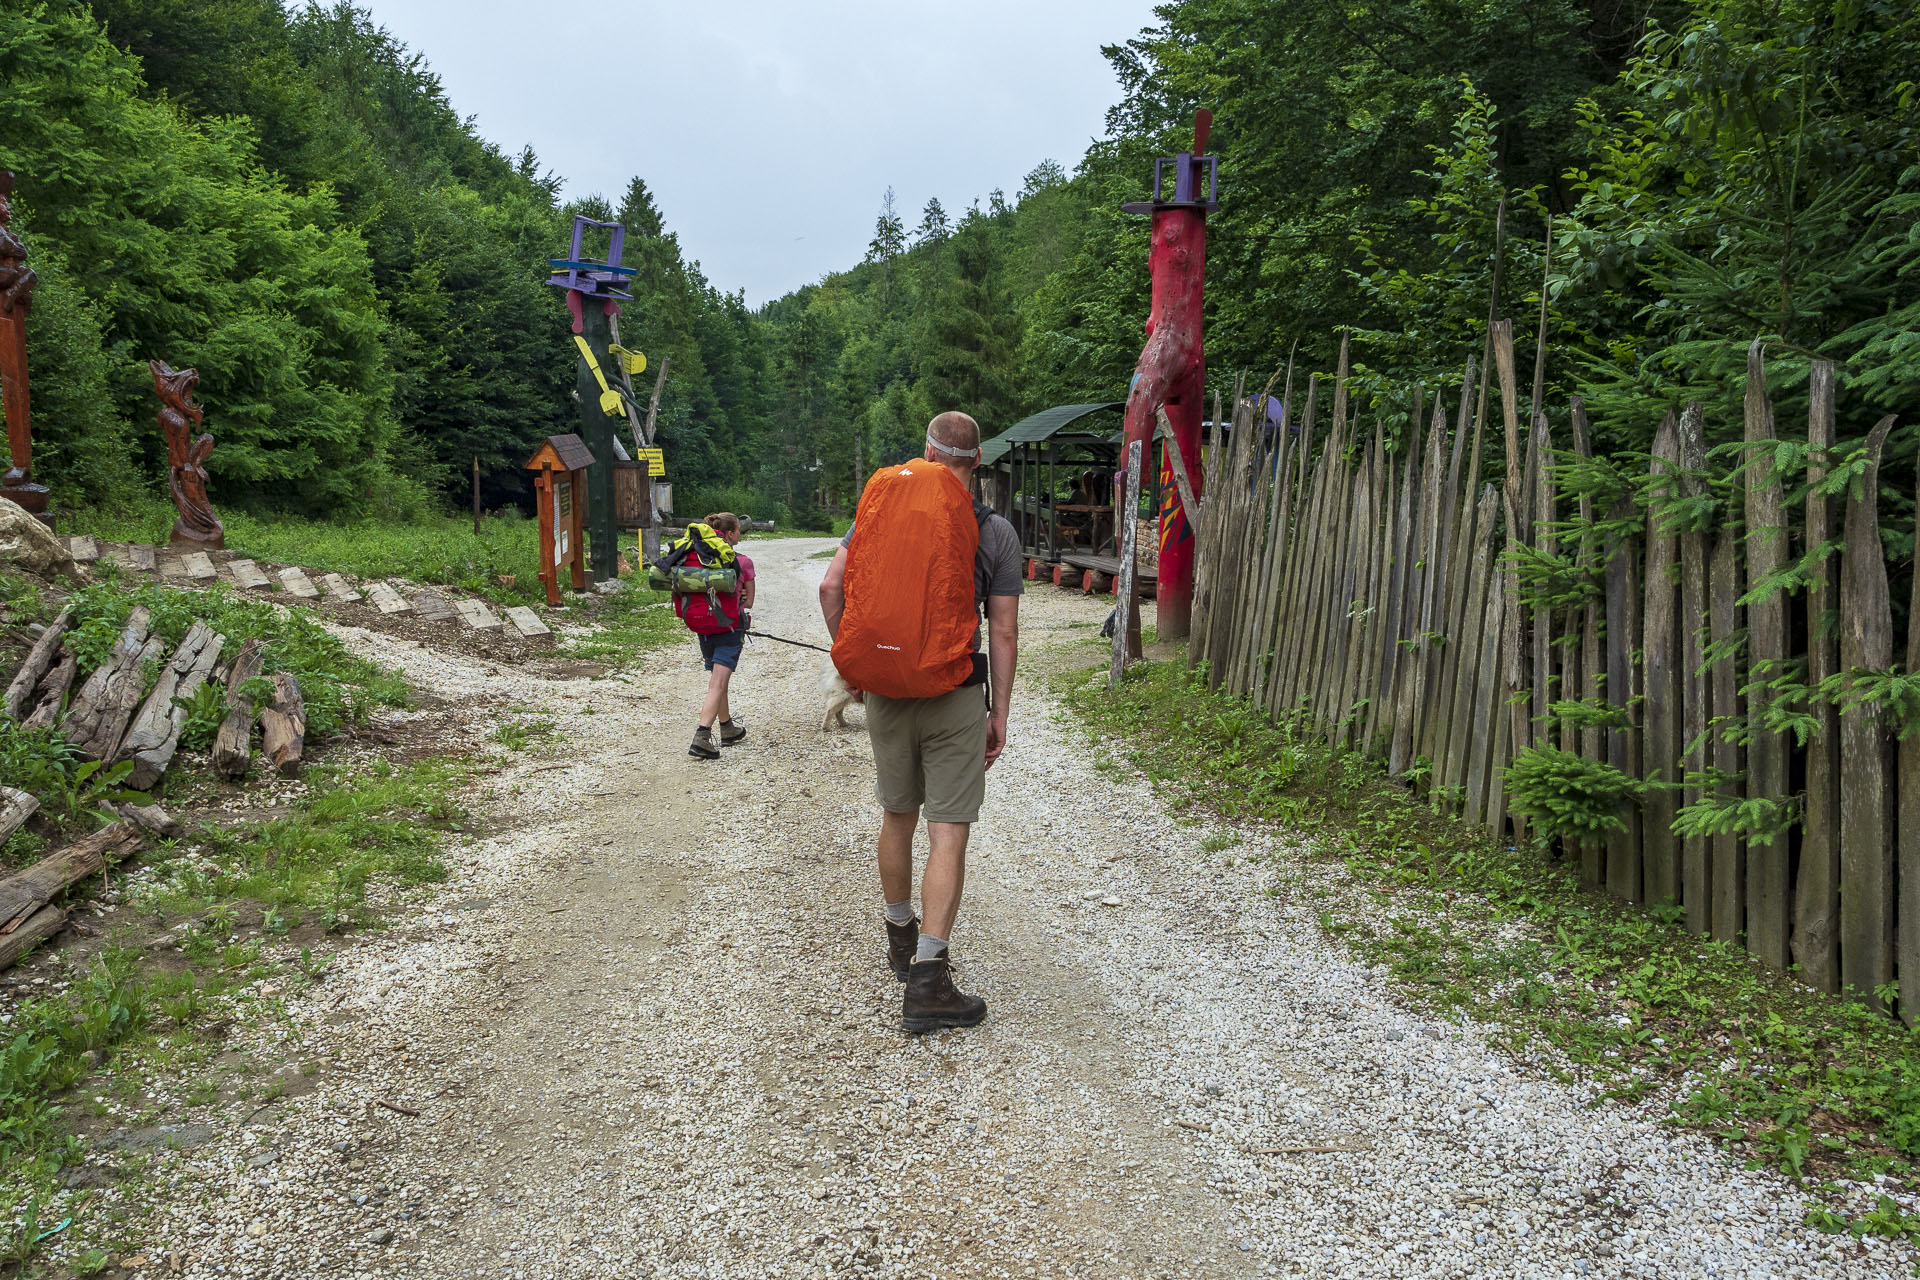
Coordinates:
(902, 941)
(703, 745)
(932, 1001)
(731, 732)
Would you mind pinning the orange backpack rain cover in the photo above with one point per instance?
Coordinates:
(908, 627)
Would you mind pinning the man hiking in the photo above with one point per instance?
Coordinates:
(903, 600)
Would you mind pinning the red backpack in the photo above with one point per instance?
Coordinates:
(700, 569)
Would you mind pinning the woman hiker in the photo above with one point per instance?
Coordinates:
(721, 650)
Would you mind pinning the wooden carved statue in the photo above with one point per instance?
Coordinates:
(187, 453)
(17, 283)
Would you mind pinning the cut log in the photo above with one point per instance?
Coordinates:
(43, 924)
(155, 734)
(233, 744)
(149, 817)
(50, 699)
(25, 892)
(283, 726)
(100, 711)
(39, 658)
(16, 806)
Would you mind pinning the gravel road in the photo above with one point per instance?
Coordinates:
(647, 1030)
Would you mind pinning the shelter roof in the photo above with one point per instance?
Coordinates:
(1044, 425)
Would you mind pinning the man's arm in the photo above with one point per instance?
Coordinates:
(1003, 650)
(833, 592)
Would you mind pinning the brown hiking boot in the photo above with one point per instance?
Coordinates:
(902, 941)
(932, 1001)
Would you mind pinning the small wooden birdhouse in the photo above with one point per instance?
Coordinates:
(560, 477)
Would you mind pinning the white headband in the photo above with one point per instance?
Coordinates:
(952, 452)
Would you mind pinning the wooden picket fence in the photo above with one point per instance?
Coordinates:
(1375, 596)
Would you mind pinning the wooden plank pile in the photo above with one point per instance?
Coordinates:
(112, 716)
(1374, 596)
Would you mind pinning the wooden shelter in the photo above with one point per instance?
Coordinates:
(1051, 474)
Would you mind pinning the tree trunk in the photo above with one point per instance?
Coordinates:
(283, 726)
(39, 658)
(155, 734)
(25, 892)
(233, 744)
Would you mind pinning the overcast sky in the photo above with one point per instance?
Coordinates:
(769, 129)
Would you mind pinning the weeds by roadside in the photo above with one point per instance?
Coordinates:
(222, 898)
(1814, 1086)
(629, 623)
(434, 549)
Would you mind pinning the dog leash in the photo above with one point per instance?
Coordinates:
(798, 644)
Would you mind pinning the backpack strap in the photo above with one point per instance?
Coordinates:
(982, 568)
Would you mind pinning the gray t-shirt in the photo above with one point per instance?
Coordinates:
(1000, 547)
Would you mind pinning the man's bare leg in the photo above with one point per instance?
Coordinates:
(932, 1001)
(896, 854)
(946, 873)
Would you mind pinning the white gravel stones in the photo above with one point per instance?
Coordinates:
(648, 1031)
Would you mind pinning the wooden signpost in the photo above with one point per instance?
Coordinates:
(560, 466)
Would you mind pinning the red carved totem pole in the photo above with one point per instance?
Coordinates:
(1172, 367)
(17, 283)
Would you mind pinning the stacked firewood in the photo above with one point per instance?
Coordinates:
(112, 717)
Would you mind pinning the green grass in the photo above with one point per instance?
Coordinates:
(630, 622)
(518, 735)
(1785, 1076)
(436, 549)
(377, 822)
(126, 1015)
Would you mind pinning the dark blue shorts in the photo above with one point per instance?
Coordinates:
(722, 650)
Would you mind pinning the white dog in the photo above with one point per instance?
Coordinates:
(838, 697)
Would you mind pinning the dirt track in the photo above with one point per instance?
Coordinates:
(648, 1031)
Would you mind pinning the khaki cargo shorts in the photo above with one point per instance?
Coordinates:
(930, 752)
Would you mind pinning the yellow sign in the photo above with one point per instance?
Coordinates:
(656, 461)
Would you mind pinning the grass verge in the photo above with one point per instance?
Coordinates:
(1817, 1087)
(208, 921)
(501, 563)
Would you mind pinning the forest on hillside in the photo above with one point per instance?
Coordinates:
(286, 199)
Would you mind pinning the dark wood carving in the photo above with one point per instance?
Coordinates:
(187, 453)
(17, 283)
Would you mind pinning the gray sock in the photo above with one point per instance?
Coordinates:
(900, 912)
(931, 948)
